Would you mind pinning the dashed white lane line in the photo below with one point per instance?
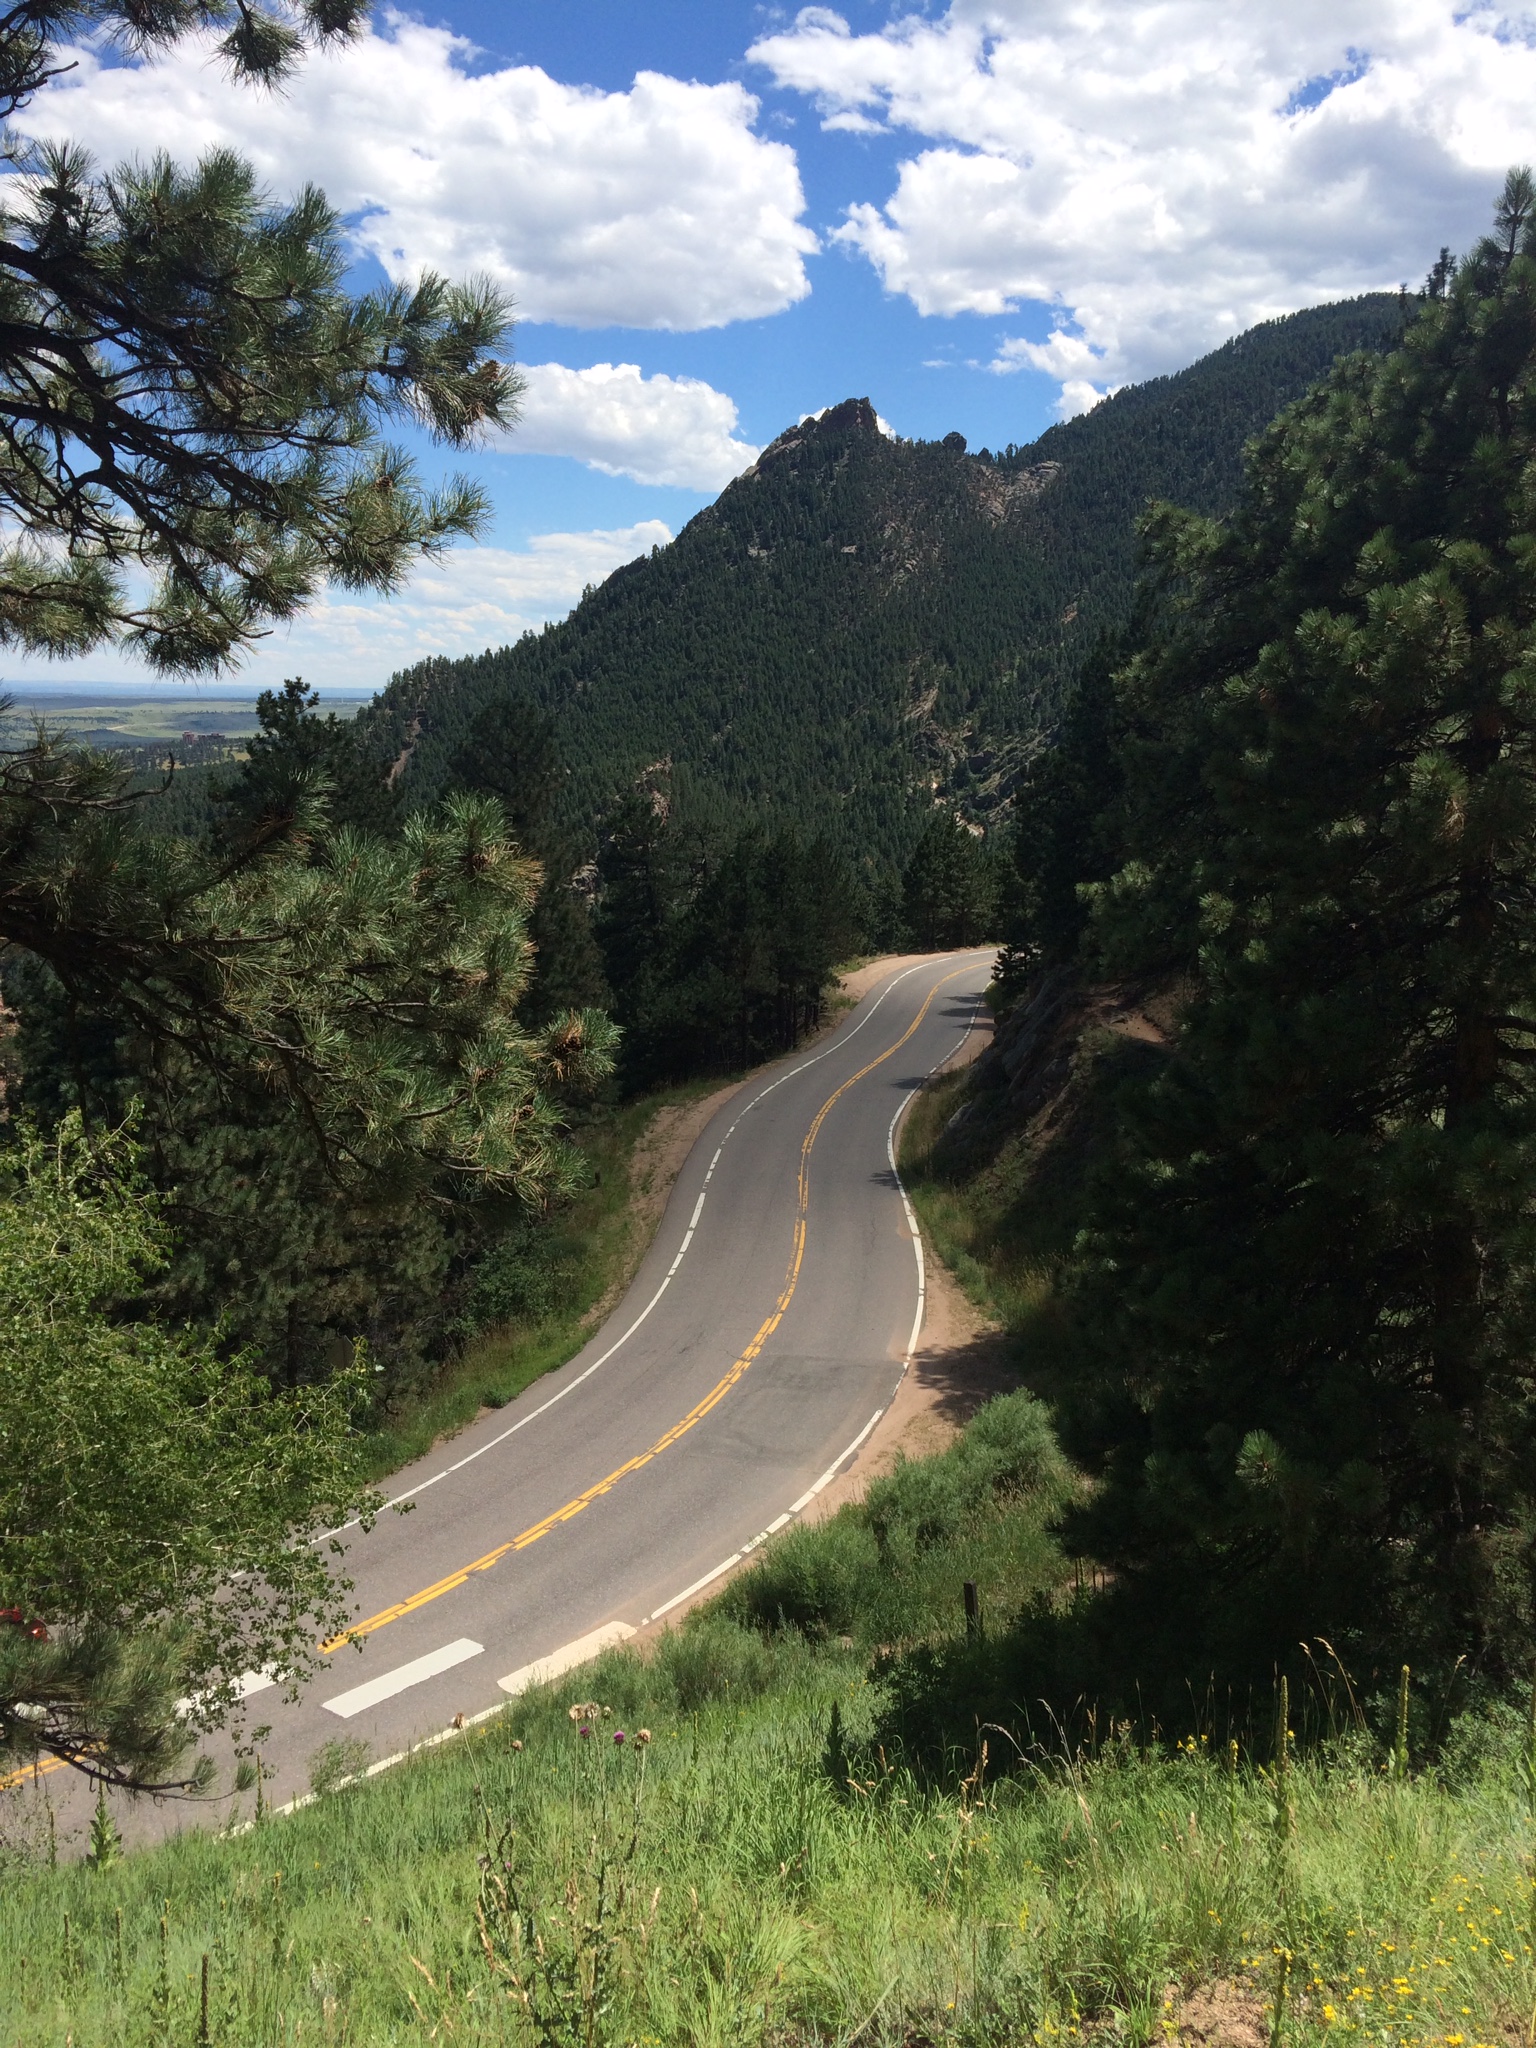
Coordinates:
(402, 1678)
(558, 1662)
(571, 1385)
(246, 1684)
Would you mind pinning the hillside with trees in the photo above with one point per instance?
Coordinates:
(860, 625)
(1260, 1123)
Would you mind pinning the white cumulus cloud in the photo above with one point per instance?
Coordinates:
(658, 430)
(658, 207)
(1163, 176)
(474, 598)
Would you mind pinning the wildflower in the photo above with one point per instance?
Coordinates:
(517, 1747)
(618, 1738)
(584, 1732)
(642, 1735)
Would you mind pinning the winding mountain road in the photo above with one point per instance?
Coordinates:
(764, 1335)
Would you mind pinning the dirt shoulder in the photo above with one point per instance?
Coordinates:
(959, 1364)
(855, 986)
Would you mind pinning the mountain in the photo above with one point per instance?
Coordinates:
(859, 622)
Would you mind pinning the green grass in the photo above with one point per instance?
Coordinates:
(763, 1870)
(600, 1243)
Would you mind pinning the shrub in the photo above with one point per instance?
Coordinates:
(816, 1579)
(711, 1658)
(524, 1277)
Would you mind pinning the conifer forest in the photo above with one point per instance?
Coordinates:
(329, 1059)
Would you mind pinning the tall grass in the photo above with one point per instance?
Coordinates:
(747, 1864)
(719, 1884)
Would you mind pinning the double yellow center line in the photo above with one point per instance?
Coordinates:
(717, 1393)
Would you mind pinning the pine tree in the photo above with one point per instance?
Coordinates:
(948, 886)
(512, 754)
(299, 765)
(1069, 824)
(1314, 1269)
(234, 391)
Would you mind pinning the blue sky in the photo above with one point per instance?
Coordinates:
(716, 217)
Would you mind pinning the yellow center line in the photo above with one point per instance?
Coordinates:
(696, 1414)
(35, 1770)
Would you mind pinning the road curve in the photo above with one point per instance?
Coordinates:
(766, 1331)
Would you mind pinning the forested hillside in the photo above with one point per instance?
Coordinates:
(1253, 1158)
(861, 622)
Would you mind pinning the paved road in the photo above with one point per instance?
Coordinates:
(766, 1331)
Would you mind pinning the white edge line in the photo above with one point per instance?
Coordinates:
(781, 1521)
(569, 1657)
(570, 1386)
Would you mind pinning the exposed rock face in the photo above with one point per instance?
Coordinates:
(862, 626)
(1035, 1047)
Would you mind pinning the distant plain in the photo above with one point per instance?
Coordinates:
(108, 716)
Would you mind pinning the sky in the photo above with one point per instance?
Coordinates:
(715, 217)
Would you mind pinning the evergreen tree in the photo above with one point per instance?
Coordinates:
(1313, 1273)
(719, 948)
(949, 888)
(512, 754)
(1068, 827)
(235, 392)
(324, 1028)
(297, 760)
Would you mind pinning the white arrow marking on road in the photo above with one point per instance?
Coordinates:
(361, 1697)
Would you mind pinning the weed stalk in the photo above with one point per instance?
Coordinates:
(1400, 1743)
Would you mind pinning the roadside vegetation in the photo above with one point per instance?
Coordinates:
(538, 1294)
(724, 1841)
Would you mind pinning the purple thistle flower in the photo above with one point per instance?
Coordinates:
(618, 1735)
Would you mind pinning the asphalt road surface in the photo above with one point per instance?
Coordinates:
(763, 1337)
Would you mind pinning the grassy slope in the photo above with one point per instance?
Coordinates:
(767, 1875)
